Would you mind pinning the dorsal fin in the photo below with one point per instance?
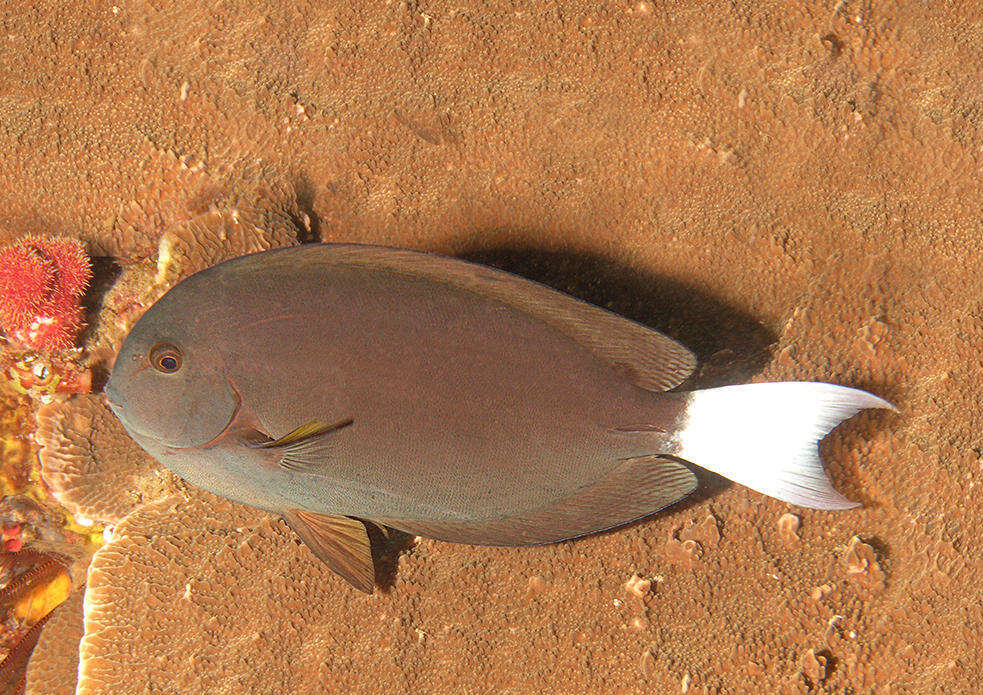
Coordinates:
(648, 358)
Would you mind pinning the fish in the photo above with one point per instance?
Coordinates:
(343, 386)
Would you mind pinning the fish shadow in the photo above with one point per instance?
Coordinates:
(387, 547)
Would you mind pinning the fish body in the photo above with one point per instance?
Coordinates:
(439, 397)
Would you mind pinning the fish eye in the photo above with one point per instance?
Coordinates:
(165, 358)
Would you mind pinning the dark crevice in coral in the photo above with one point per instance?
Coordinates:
(309, 230)
(829, 665)
(881, 549)
(105, 271)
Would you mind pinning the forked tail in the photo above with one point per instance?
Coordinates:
(765, 436)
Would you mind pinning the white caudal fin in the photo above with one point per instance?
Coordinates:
(766, 436)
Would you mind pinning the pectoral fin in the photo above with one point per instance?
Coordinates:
(340, 542)
(305, 448)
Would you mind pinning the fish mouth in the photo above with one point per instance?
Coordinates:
(114, 405)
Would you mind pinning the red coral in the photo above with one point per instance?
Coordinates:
(42, 280)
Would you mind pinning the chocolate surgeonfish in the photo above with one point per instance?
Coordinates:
(340, 385)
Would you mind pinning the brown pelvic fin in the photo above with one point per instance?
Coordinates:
(305, 448)
(633, 488)
(647, 358)
(340, 542)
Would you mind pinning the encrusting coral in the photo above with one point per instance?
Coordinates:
(91, 465)
(195, 587)
(169, 576)
(54, 662)
(236, 225)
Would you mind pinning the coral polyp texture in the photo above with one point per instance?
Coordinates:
(42, 280)
(54, 662)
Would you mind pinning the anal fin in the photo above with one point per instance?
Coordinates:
(633, 488)
(341, 542)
